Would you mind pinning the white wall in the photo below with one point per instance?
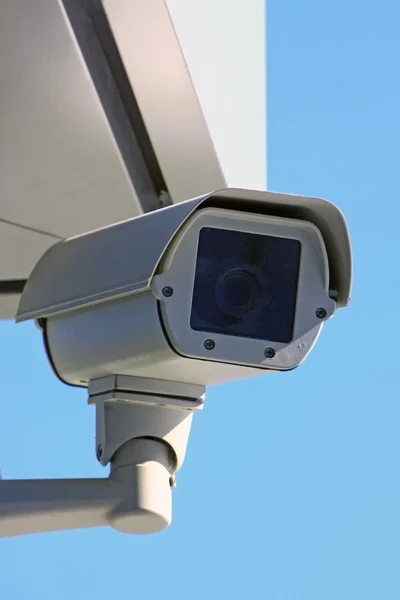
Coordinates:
(224, 42)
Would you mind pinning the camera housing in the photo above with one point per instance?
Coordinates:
(229, 285)
(148, 312)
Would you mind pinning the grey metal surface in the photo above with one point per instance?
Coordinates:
(155, 387)
(179, 272)
(70, 160)
(135, 498)
(51, 288)
(123, 415)
(106, 314)
(166, 96)
(109, 271)
(38, 505)
(17, 245)
(60, 168)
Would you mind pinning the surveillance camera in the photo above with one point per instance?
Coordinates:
(225, 286)
(148, 312)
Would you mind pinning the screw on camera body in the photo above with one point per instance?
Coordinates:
(209, 344)
(99, 452)
(167, 291)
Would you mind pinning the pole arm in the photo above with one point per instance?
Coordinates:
(135, 498)
(38, 506)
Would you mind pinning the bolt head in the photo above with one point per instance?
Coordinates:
(321, 313)
(269, 353)
(209, 344)
(167, 291)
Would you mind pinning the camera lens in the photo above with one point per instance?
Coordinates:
(245, 285)
(238, 292)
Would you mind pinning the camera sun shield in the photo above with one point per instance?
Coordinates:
(256, 283)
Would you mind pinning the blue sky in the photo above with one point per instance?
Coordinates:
(290, 488)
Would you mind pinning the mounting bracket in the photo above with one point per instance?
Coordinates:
(142, 430)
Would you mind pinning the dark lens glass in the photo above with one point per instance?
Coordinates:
(238, 292)
(245, 285)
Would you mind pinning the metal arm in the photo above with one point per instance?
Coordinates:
(145, 446)
(35, 506)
